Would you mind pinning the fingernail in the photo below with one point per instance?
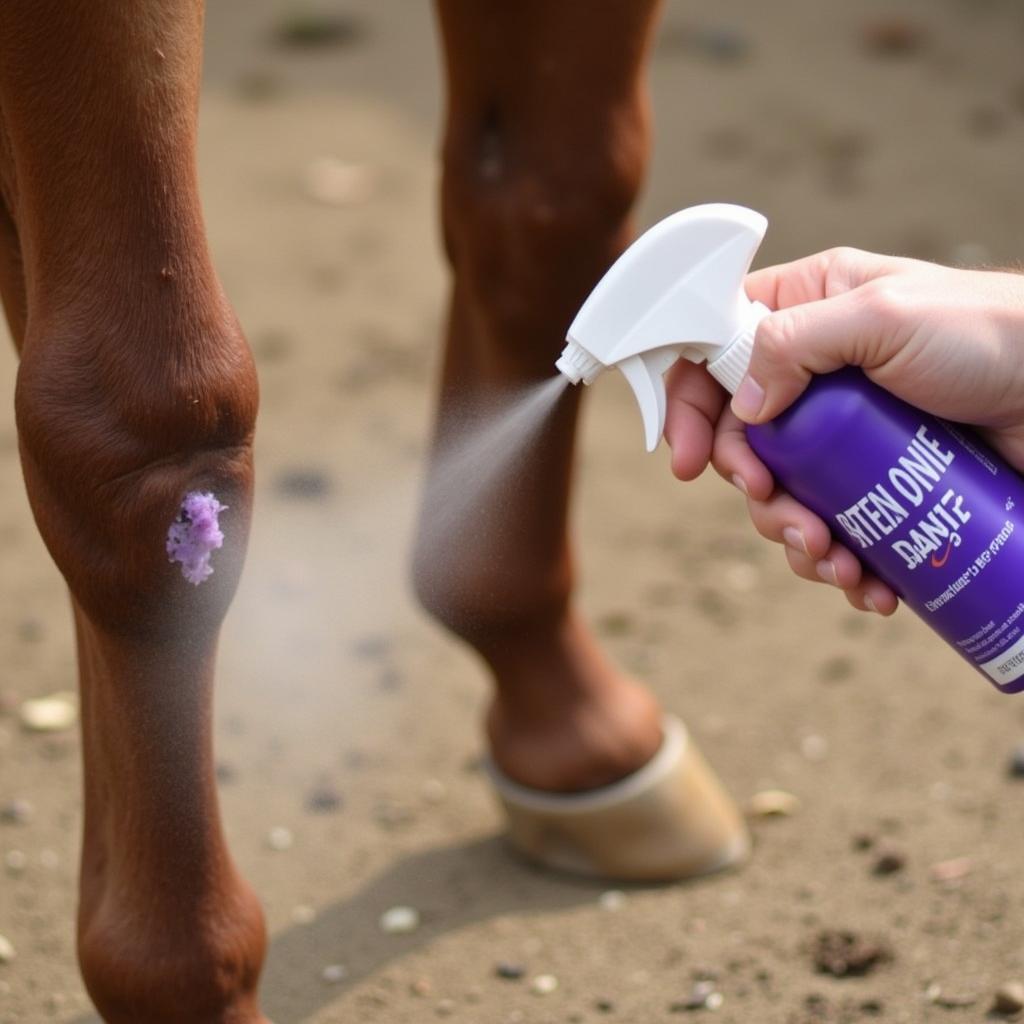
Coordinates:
(749, 398)
(795, 539)
(739, 483)
(870, 604)
(827, 571)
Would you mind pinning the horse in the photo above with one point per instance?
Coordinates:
(136, 402)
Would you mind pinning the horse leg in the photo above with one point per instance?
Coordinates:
(135, 389)
(546, 144)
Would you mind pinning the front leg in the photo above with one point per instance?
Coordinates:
(135, 390)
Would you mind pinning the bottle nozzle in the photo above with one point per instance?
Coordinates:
(578, 364)
(677, 291)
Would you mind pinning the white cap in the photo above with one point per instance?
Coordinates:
(676, 291)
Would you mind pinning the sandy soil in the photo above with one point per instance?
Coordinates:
(333, 683)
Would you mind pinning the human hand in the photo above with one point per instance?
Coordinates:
(948, 341)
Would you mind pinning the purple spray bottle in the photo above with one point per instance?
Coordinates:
(923, 503)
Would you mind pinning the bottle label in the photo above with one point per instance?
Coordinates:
(940, 530)
(922, 503)
(1008, 666)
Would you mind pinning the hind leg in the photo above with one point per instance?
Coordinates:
(545, 148)
(135, 388)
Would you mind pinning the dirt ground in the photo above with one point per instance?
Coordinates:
(895, 126)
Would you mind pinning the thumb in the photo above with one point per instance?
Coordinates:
(792, 345)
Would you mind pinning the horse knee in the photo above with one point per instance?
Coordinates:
(115, 431)
(529, 230)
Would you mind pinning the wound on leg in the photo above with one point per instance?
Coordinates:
(195, 534)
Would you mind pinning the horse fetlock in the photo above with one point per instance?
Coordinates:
(200, 967)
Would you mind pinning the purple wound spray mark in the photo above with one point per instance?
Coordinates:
(195, 535)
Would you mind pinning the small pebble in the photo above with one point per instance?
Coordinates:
(1009, 999)
(7, 953)
(509, 971)
(773, 803)
(740, 576)
(304, 29)
(721, 43)
(445, 1007)
(544, 984)
(16, 812)
(324, 798)
(280, 838)
(615, 624)
(604, 1006)
(949, 872)
(399, 920)
(303, 913)
(814, 748)
(392, 816)
(335, 182)
(421, 987)
(862, 841)
(434, 791)
(888, 861)
(836, 669)
(31, 631)
(15, 861)
(49, 714)
(304, 484)
(986, 121)
(613, 899)
(892, 36)
(372, 647)
(844, 954)
(934, 994)
(1015, 769)
(258, 85)
(333, 973)
(702, 997)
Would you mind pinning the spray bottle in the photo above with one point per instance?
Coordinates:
(923, 503)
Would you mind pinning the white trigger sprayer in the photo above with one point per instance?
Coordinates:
(677, 291)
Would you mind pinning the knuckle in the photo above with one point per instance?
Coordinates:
(840, 257)
(763, 520)
(802, 566)
(840, 266)
(775, 339)
(720, 460)
(884, 299)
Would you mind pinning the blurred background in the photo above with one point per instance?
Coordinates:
(347, 724)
